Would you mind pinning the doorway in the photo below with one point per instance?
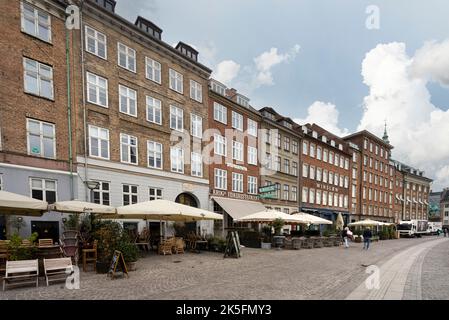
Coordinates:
(188, 200)
(46, 229)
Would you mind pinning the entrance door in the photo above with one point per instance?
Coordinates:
(46, 229)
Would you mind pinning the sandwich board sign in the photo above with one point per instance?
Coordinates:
(117, 261)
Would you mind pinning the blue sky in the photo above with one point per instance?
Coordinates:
(334, 42)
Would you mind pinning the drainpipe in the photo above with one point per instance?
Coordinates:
(69, 111)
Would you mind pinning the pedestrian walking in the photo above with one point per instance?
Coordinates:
(344, 235)
(445, 232)
(367, 235)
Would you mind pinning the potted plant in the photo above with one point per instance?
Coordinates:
(266, 237)
(129, 251)
(17, 251)
(108, 234)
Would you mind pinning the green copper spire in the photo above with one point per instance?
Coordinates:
(385, 137)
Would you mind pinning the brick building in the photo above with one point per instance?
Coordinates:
(280, 160)
(35, 154)
(140, 114)
(444, 205)
(413, 189)
(326, 173)
(234, 153)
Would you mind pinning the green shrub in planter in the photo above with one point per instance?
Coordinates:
(19, 252)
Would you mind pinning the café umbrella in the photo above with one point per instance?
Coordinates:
(311, 219)
(269, 216)
(16, 204)
(367, 222)
(77, 206)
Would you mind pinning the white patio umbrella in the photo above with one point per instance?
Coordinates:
(269, 216)
(77, 206)
(367, 222)
(311, 219)
(16, 204)
(339, 223)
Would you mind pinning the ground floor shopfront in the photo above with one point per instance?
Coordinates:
(327, 214)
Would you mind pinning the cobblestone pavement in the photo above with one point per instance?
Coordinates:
(326, 273)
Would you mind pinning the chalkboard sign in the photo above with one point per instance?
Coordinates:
(232, 245)
(117, 261)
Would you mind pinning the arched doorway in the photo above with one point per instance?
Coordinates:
(189, 200)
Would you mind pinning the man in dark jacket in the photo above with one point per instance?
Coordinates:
(367, 235)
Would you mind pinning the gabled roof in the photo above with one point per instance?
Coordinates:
(366, 133)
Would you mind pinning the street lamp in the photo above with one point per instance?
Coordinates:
(91, 185)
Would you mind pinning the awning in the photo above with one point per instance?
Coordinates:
(237, 208)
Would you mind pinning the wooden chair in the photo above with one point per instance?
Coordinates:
(70, 234)
(21, 272)
(143, 240)
(57, 269)
(45, 243)
(165, 247)
(179, 246)
(4, 255)
(90, 256)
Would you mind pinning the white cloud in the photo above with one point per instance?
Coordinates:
(418, 130)
(267, 60)
(226, 71)
(325, 115)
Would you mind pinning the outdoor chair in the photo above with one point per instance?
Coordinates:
(143, 240)
(317, 242)
(90, 256)
(21, 272)
(307, 243)
(57, 269)
(4, 255)
(179, 246)
(26, 243)
(71, 252)
(288, 243)
(328, 242)
(70, 234)
(45, 243)
(296, 243)
(69, 242)
(165, 247)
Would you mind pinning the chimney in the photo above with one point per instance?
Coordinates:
(232, 94)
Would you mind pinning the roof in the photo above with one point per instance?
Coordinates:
(445, 196)
(366, 133)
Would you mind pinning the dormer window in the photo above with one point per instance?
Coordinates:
(315, 134)
(287, 124)
(243, 101)
(304, 129)
(187, 50)
(332, 143)
(107, 4)
(268, 115)
(340, 146)
(218, 87)
(149, 27)
(324, 139)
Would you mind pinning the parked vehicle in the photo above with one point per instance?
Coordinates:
(412, 228)
(434, 227)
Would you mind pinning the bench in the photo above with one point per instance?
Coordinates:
(22, 271)
(45, 243)
(56, 269)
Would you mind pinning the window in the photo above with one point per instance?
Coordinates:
(196, 91)
(312, 150)
(335, 200)
(176, 118)
(36, 22)
(294, 196)
(330, 199)
(237, 182)
(364, 193)
(305, 147)
(342, 162)
(286, 143)
(331, 177)
(345, 203)
(126, 57)
(324, 198)
(277, 142)
(354, 157)
(365, 160)
(295, 168)
(99, 142)
(267, 136)
(220, 113)
(252, 156)
(221, 179)
(319, 173)
(337, 158)
(237, 121)
(382, 152)
(286, 166)
(252, 185)
(218, 88)
(312, 172)
(277, 163)
(331, 157)
(196, 164)
(237, 151)
(305, 193)
(41, 139)
(128, 148)
(97, 89)
(154, 150)
(342, 181)
(336, 179)
(129, 194)
(377, 150)
(38, 78)
(346, 182)
(305, 170)
(1, 182)
(354, 173)
(252, 128)
(370, 162)
(286, 193)
(177, 159)
(219, 145)
(196, 126)
(128, 101)
(312, 196)
(347, 164)
(153, 70)
(365, 144)
(96, 43)
(318, 197)
(295, 147)
(325, 175)
(154, 193)
(176, 80)
(354, 191)
(370, 147)
(43, 189)
(101, 194)
(154, 110)
(318, 153)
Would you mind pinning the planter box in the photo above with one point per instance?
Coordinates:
(265, 245)
(131, 266)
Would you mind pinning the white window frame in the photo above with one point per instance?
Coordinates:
(97, 86)
(176, 164)
(252, 127)
(196, 91)
(129, 145)
(43, 188)
(177, 113)
(176, 80)
(153, 193)
(237, 120)
(128, 96)
(237, 150)
(196, 125)
(220, 179)
(130, 55)
(220, 113)
(39, 77)
(97, 41)
(156, 106)
(41, 138)
(220, 143)
(153, 148)
(237, 182)
(92, 127)
(252, 185)
(252, 155)
(130, 193)
(156, 70)
(101, 191)
(196, 164)
(36, 21)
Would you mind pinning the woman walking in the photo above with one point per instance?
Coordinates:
(367, 235)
